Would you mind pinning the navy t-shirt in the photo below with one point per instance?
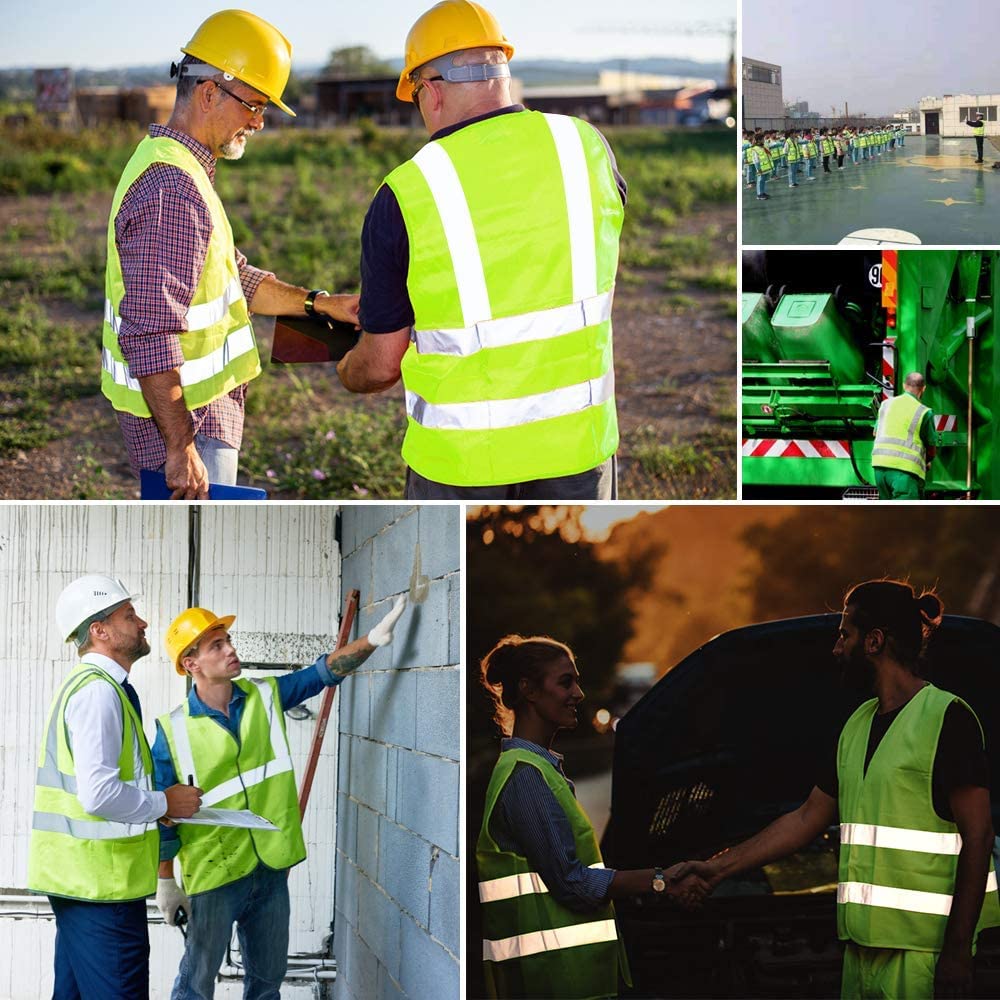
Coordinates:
(385, 248)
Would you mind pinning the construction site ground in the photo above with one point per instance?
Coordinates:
(931, 188)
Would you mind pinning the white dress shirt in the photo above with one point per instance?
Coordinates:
(94, 725)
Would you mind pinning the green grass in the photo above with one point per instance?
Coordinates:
(301, 450)
(703, 468)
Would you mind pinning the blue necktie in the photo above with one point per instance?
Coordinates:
(133, 696)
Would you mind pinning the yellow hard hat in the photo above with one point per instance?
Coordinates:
(248, 48)
(187, 628)
(449, 26)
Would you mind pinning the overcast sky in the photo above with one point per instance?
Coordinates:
(879, 56)
(107, 33)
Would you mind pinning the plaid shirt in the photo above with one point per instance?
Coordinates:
(162, 231)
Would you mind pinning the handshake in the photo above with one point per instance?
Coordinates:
(690, 883)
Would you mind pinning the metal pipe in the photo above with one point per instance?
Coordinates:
(310, 973)
(968, 435)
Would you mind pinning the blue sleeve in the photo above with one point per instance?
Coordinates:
(385, 262)
(301, 685)
(165, 777)
(529, 810)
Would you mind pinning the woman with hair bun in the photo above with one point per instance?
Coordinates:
(548, 918)
(910, 784)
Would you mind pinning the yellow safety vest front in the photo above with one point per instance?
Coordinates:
(254, 772)
(513, 226)
(218, 345)
(898, 858)
(73, 853)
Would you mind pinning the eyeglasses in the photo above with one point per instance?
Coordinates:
(254, 109)
(420, 86)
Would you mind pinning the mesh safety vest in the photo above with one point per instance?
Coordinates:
(219, 349)
(792, 152)
(254, 773)
(513, 225)
(827, 146)
(980, 129)
(534, 946)
(73, 853)
(897, 435)
(898, 858)
(810, 148)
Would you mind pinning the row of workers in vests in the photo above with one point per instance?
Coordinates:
(767, 154)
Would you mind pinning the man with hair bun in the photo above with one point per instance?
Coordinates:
(910, 782)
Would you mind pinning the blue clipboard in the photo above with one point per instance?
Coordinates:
(153, 486)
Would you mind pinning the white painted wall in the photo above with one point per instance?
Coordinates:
(276, 567)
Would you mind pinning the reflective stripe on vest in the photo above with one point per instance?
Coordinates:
(509, 886)
(898, 858)
(280, 763)
(909, 900)
(554, 939)
(253, 771)
(499, 347)
(217, 345)
(897, 435)
(75, 854)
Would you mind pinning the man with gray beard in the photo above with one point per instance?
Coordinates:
(178, 346)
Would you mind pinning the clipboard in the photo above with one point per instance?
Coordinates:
(303, 340)
(153, 486)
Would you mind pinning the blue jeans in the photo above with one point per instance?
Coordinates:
(793, 172)
(102, 950)
(258, 905)
(762, 182)
(220, 460)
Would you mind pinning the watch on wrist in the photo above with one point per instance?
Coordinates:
(311, 298)
(659, 882)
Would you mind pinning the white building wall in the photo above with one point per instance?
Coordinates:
(276, 567)
(762, 101)
(952, 123)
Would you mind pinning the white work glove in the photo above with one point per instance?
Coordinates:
(170, 897)
(381, 634)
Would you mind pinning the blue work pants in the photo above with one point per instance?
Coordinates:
(793, 172)
(102, 950)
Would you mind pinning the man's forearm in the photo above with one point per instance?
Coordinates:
(357, 377)
(166, 869)
(165, 400)
(970, 888)
(347, 659)
(278, 298)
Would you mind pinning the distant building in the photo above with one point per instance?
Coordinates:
(763, 106)
(143, 105)
(947, 115)
(796, 108)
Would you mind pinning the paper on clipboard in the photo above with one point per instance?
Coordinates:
(243, 818)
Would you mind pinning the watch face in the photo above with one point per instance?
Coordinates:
(659, 884)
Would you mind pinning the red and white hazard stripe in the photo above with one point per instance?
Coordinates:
(889, 367)
(784, 448)
(945, 422)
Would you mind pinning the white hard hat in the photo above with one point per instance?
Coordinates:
(87, 599)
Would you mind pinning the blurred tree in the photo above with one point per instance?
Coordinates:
(356, 60)
(808, 561)
(531, 571)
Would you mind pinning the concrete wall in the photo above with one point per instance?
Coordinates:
(396, 925)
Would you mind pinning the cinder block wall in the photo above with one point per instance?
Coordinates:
(396, 925)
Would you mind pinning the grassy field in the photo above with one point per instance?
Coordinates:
(296, 203)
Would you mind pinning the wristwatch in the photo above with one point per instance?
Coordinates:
(311, 298)
(659, 882)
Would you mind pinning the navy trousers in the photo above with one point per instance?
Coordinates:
(102, 950)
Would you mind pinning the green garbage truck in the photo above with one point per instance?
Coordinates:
(828, 335)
